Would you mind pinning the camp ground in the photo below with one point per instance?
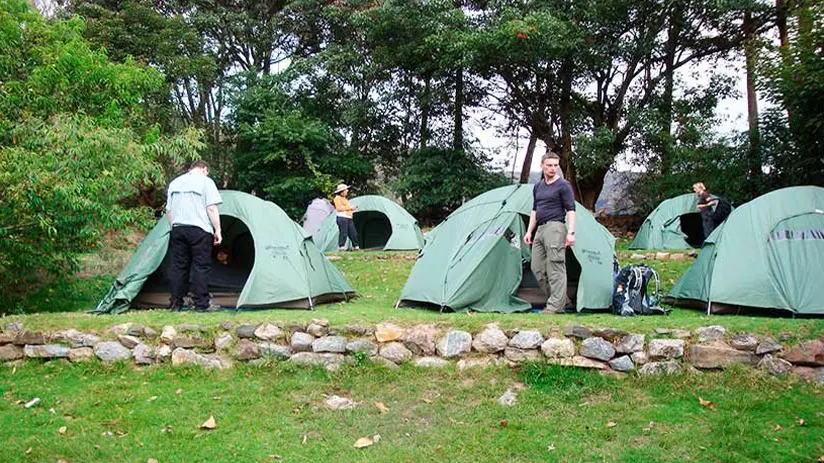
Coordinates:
(768, 256)
(273, 264)
(476, 259)
(674, 224)
(381, 224)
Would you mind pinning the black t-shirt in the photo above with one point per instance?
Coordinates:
(552, 201)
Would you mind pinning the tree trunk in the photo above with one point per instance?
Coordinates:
(425, 109)
(458, 140)
(665, 136)
(754, 151)
(530, 150)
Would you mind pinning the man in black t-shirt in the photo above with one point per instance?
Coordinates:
(553, 222)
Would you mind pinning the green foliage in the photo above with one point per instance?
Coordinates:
(436, 181)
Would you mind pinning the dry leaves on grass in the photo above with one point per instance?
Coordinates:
(382, 407)
(366, 442)
(706, 403)
(611, 424)
(62, 430)
(551, 448)
(209, 424)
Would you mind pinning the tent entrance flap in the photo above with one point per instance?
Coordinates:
(373, 229)
(692, 226)
(794, 249)
(227, 277)
(530, 291)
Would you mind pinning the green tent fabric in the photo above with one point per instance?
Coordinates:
(768, 255)
(476, 259)
(674, 224)
(274, 264)
(379, 222)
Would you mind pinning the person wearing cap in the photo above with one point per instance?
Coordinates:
(553, 222)
(344, 212)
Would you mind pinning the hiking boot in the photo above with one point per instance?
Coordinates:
(210, 308)
(341, 248)
(549, 310)
(178, 305)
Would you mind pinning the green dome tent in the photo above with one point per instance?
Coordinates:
(476, 259)
(380, 223)
(768, 255)
(674, 224)
(274, 264)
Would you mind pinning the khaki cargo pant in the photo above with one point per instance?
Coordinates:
(549, 263)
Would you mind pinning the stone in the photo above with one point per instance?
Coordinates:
(513, 354)
(246, 331)
(149, 333)
(558, 348)
(143, 354)
(163, 352)
(46, 351)
(528, 339)
(320, 322)
(468, 363)
(81, 354)
(668, 368)
(454, 344)
(662, 255)
(508, 399)
(268, 332)
(247, 350)
(386, 332)
(386, 363)
(813, 375)
(366, 347)
(14, 327)
(329, 361)
(597, 348)
(110, 351)
(775, 366)
(356, 329)
(75, 338)
(610, 334)
(630, 343)
(396, 352)
(128, 341)
(190, 328)
(710, 333)
(744, 341)
(302, 342)
(270, 349)
(578, 361)
(168, 334)
(431, 362)
(663, 331)
(7, 338)
(10, 352)
(637, 256)
(191, 342)
(639, 358)
(317, 330)
(422, 339)
(23, 338)
(666, 348)
(810, 353)
(335, 344)
(120, 329)
(490, 340)
(767, 346)
(339, 403)
(622, 363)
(226, 325)
(223, 340)
(135, 330)
(577, 331)
(678, 256)
(681, 334)
(182, 356)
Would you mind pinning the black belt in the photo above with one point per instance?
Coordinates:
(546, 222)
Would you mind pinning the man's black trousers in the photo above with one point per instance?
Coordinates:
(191, 249)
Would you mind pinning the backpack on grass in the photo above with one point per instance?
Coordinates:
(630, 296)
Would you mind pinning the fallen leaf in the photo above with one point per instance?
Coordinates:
(363, 442)
(821, 459)
(611, 424)
(62, 460)
(276, 457)
(209, 424)
(705, 403)
(551, 448)
(649, 426)
(382, 407)
(376, 438)
(52, 411)
(62, 430)
(305, 438)
(296, 410)
(801, 422)
(151, 460)
(426, 400)
(152, 398)
(179, 391)
(28, 451)
(778, 427)
(32, 402)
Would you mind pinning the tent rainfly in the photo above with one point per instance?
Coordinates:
(318, 210)
(674, 224)
(380, 223)
(768, 256)
(476, 259)
(273, 264)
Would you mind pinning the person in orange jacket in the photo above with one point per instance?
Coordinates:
(344, 212)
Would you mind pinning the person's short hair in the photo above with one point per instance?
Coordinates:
(550, 155)
(699, 185)
(199, 164)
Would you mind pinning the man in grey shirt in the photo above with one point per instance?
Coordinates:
(553, 222)
(191, 208)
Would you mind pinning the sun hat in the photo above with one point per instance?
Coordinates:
(340, 188)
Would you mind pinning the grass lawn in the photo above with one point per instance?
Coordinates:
(275, 412)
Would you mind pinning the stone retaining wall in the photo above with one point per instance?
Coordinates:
(664, 352)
